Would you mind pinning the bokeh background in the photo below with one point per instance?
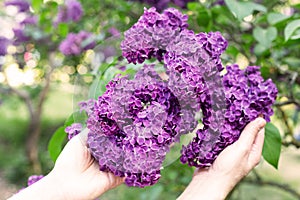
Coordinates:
(41, 82)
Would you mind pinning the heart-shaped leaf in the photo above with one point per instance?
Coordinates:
(243, 9)
(265, 36)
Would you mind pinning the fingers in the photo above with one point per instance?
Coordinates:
(250, 132)
(257, 147)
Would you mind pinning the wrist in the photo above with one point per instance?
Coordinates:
(46, 188)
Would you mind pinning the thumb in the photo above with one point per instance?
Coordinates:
(250, 132)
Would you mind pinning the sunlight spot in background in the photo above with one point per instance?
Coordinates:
(242, 61)
(11, 49)
(249, 18)
(28, 77)
(82, 69)
(14, 75)
(17, 77)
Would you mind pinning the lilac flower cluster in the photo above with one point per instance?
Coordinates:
(193, 62)
(151, 34)
(163, 4)
(247, 97)
(75, 44)
(133, 125)
(73, 130)
(4, 42)
(71, 11)
(22, 5)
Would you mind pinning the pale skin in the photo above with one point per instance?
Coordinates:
(76, 174)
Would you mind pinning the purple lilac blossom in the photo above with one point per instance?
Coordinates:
(75, 44)
(20, 36)
(73, 130)
(22, 5)
(193, 61)
(247, 97)
(151, 34)
(4, 42)
(133, 125)
(71, 11)
(29, 20)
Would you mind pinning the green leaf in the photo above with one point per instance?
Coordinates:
(291, 28)
(63, 29)
(243, 9)
(56, 143)
(232, 50)
(260, 49)
(36, 4)
(265, 36)
(69, 120)
(274, 18)
(272, 145)
(293, 62)
(193, 6)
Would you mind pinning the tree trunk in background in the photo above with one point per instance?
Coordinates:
(32, 141)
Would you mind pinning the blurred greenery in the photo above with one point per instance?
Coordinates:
(261, 32)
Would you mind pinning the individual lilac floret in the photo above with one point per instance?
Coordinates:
(152, 33)
(4, 42)
(75, 44)
(87, 106)
(22, 5)
(73, 130)
(71, 11)
(33, 179)
(247, 97)
(133, 125)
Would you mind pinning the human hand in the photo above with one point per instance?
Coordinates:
(84, 179)
(76, 175)
(233, 163)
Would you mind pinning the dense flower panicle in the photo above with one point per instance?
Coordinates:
(33, 179)
(71, 11)
(152, 33)
(4, 42)
(73, 130)
(75, 44)
(133, 125)
(22, 5)
(247, 97)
